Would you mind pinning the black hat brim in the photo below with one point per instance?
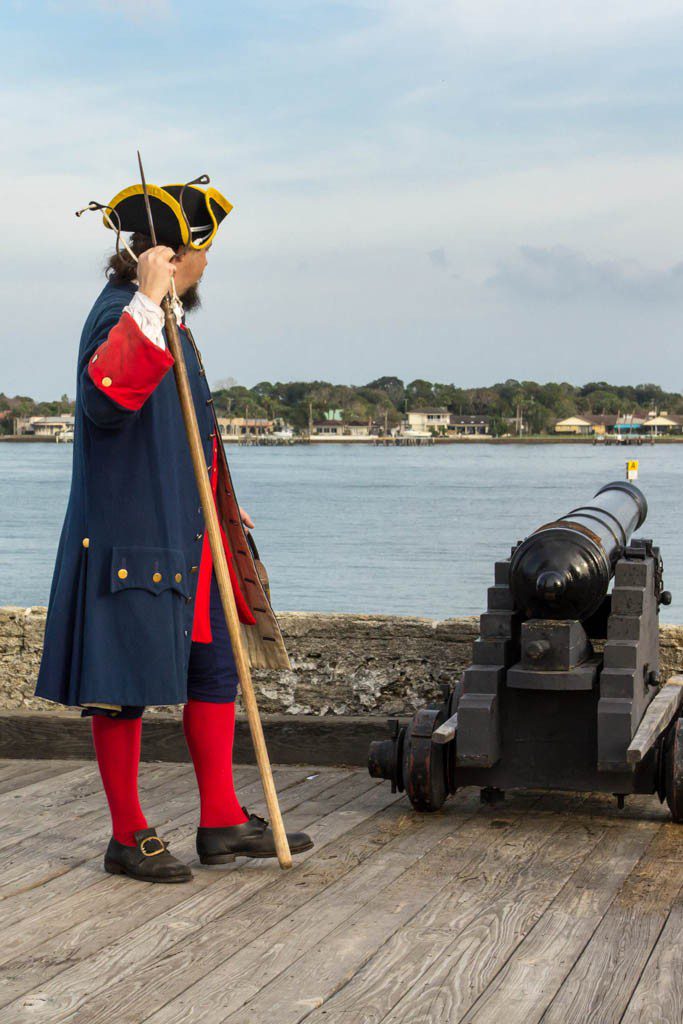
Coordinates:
(204, 209)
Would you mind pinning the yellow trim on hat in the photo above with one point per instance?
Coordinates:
(218, 197)
(220, 200)
(158, 193)
(208, 193)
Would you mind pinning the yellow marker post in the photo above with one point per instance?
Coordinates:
(632, 469)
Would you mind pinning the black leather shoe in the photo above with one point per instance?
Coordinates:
(253, 838)
(148, 861)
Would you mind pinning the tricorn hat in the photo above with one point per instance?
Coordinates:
(182, 214)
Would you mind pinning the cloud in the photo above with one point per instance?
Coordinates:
(562, 273)
(583, 20)
(353, 138)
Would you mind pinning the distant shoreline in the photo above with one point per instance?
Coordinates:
(676, 439)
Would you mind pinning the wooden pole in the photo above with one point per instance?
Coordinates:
(220, 564)
(225, 585)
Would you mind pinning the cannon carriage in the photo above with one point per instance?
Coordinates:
(564, 690)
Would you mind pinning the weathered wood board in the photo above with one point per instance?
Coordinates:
(550, 907)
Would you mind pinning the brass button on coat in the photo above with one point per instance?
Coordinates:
(86, 542)
(157, 577)
(123, 574)
(178, 577)
(106, 382)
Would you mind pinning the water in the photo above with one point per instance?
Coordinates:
(410, 531)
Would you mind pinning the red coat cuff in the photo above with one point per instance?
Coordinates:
(128, 366)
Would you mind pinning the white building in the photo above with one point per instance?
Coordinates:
(663, 423)
(44, 426)
(232, 427)
(341, 430)
(424, 422)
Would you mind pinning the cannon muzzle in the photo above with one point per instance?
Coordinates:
(563, 570)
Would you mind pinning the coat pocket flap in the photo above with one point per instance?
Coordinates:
(151, 569)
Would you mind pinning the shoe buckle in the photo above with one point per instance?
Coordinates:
(154, 852)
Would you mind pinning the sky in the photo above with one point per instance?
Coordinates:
(463, 191)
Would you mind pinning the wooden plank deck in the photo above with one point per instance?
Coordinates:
(550, 907)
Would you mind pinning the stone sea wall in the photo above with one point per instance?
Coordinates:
(341, 664)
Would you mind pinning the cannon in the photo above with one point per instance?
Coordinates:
(563, 690)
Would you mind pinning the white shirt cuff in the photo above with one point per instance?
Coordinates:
(148, 316)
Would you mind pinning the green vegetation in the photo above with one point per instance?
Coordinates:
(23, 405)
(540, 405)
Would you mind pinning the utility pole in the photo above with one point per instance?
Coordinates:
(310, 419)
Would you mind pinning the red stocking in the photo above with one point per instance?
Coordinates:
(117, 746)
(209, 731)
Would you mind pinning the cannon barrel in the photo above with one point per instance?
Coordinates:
(563, 569)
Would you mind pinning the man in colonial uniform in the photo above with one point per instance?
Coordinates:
(134, 615)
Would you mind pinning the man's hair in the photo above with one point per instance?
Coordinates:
(120, 267)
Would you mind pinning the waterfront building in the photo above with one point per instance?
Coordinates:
(328, 429)
(653, 423)
(623, 425)
(427, 422)
(234, 427)
(663, 423)
(357, 428)
(44, 426)
(627, 426)
(468, 426)
(586, 424)
(424, 422)
(340, 429)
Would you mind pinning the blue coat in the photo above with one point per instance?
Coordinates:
(119, 620)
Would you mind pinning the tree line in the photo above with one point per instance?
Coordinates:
(389, 398)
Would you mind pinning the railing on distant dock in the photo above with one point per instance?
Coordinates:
(262, 439)
(403, 441)
(618, 439)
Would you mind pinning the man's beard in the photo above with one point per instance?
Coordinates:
(191, 298)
